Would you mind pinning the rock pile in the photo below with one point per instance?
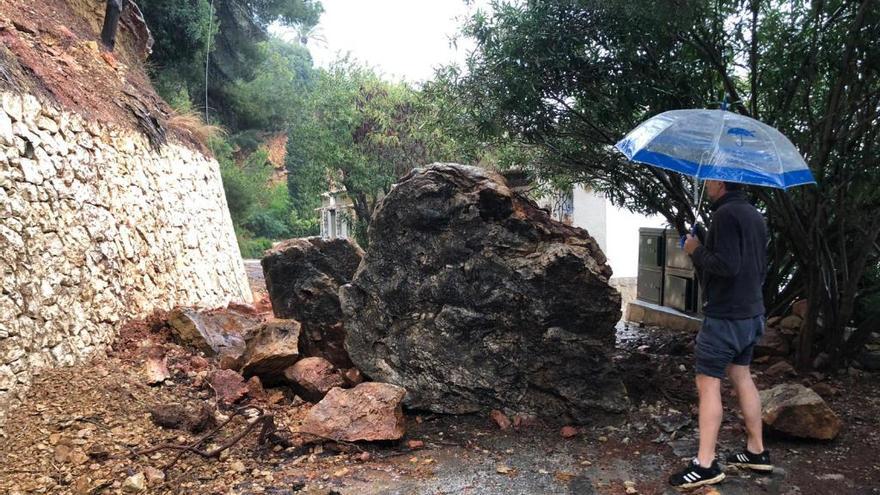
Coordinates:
(303, 277)
(472, 298)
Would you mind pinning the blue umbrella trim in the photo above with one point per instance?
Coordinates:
(744, 176)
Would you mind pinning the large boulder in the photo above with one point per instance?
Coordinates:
(369, 412)
(303, 277)
(797, 411)
(472, 298)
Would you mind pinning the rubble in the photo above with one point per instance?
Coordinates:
(500, 419)
(473, 298)
(303, 277)
(312, 377)
(228, 386)
(797, 411)
(368, 412)
(156, 369)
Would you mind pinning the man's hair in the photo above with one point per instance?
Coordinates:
(732, 186)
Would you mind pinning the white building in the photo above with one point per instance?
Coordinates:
(615, 229)
(337, 215)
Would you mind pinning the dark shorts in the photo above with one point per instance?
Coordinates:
(724, 342)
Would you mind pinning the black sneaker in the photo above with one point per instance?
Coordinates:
(756, 462)
(696, 475)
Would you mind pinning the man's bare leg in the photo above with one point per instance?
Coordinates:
(750, 403)
(709, 389)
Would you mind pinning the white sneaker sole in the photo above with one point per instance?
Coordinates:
(764, 468)
(696, 484)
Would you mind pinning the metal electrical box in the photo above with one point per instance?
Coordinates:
(651, 247)
(649, 287)
(676, 257)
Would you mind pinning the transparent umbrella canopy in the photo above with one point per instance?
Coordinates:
(717, 144)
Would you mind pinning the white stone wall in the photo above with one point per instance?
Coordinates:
(97, 227)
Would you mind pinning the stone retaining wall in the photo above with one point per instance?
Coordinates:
(97, 227)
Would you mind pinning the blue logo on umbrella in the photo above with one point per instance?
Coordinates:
(739, 132)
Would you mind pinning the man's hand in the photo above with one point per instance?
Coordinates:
(691, 244)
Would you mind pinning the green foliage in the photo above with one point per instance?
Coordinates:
(359, 132)
(274, 97)
(568, 79)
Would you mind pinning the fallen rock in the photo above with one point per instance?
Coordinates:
(353, 377)
(273, 348)
(369, 412)
(869, 360)
(156, 368)
(415, 444)
(255, 388)
(154, 477)
(219, 331)
(228, 386)
(500, 419)
(794, 410)
(472, 298)
(135, 483)
(568, 431)
(303, 277)
(825, 390)
(800, 309)
(772, 343)
(312, 377)
(791, 323)
(195, 419)
(781, 369)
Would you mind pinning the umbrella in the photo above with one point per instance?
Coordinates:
(717, 144)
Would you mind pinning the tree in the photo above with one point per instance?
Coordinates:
(233, 30)
(359, 132)
(570, 78)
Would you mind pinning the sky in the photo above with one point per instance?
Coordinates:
(402, 39)
(408, 39)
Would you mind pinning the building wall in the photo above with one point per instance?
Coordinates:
(590, 214)
(97, 227)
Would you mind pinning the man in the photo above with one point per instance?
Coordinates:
(732, 266)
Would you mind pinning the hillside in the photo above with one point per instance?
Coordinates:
(53, 49)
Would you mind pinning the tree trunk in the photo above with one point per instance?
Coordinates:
(111, 22)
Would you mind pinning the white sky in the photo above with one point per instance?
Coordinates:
(401, 39)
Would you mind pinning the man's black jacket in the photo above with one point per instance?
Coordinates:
(733, 262)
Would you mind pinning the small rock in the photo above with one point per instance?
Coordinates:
(800, 309)
(825, 390)
(228, 386)
(156, 368)
(500, 419)
(369, 412)
(503, 469)
(255, 388)
(780, 369)
(568, 431)
(792, 322)
(353, 377)
(524, 420)
(832, 477)
(415, 444)
(772, 343)
(311, 378)
(135, 483)
(237, 466)
(154, 476)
